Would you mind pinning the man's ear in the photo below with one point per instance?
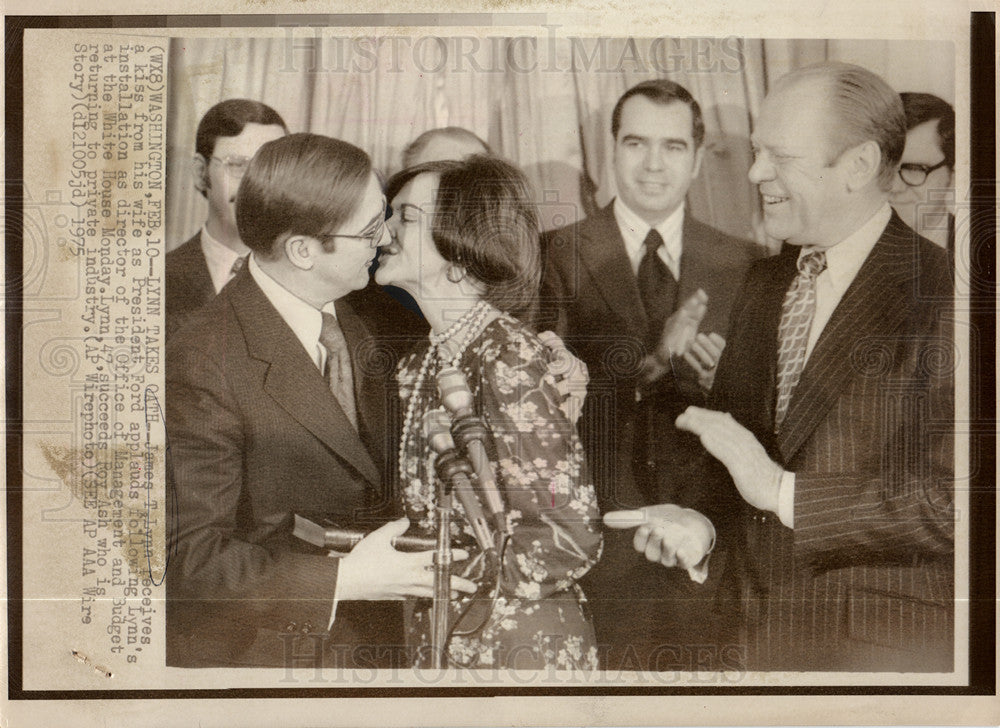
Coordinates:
(301, 251)
(863, 165)
(199, 168)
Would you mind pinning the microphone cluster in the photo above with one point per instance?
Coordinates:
(470, 434)
(458, 436)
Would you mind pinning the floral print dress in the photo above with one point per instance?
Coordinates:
(528, 401)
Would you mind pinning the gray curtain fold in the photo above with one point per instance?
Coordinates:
(543, 103)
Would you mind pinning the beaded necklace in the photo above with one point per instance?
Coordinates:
(472, 321)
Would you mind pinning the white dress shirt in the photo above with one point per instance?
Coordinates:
(304, 319)
(220, 259)
(634, 231)
(843, 261)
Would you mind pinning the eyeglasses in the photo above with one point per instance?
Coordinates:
(236, 166)
(915, 175)
(374, 236)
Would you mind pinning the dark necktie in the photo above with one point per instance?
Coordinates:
(237, 266)
(657, 285)
(338, 366)
(797, 313)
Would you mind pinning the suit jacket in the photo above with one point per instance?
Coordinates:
(864, 581)
(255, 435)
(188, 282)
(590, 296)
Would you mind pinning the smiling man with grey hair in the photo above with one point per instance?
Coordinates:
(830, 422)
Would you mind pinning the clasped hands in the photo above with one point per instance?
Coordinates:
(681, 338)
(675, 536)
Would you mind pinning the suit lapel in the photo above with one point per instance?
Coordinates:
(293, 380)
(696, 261)
(196, 269)
(873, 307)
(748, 369)
(602, 251)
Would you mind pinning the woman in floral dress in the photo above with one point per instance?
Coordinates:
(465, 246)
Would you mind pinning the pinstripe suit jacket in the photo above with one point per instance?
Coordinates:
(864, 581)
(255, 435)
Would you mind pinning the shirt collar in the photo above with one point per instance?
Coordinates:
(302, 317)
(634, 230)
(219, 258)
(844, 260)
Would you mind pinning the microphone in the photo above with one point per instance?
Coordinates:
(470, 433)
(345, 539)
(453, 469)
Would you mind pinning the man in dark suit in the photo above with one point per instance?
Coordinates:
(832, 407)
(228, 136)
(641, 292)
(271, 413)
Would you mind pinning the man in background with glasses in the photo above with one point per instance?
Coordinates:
(228, 136)
(922, 193)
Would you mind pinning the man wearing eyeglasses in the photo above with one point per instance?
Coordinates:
(228, 136)
(272, 411)
(922, 192)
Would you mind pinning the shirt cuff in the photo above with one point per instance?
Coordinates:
(786, 499)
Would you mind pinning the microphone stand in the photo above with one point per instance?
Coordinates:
(452, 470)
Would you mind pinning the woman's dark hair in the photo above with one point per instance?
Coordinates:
(485, 220)
(304, 184)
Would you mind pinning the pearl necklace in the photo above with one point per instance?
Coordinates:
(472, 320)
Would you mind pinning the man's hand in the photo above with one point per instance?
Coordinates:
(680, 331)
(703, 355)
(374, 570)
(670, 535)
(681, 326)
(757, 477)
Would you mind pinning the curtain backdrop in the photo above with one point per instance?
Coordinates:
(545, 104)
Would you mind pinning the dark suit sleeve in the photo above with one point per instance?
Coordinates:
(214, 557)
(554, 291)
(898, 506)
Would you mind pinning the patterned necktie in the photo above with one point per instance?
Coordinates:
(793, 332)
(237, 266)
(338, 366)
(657, 285)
